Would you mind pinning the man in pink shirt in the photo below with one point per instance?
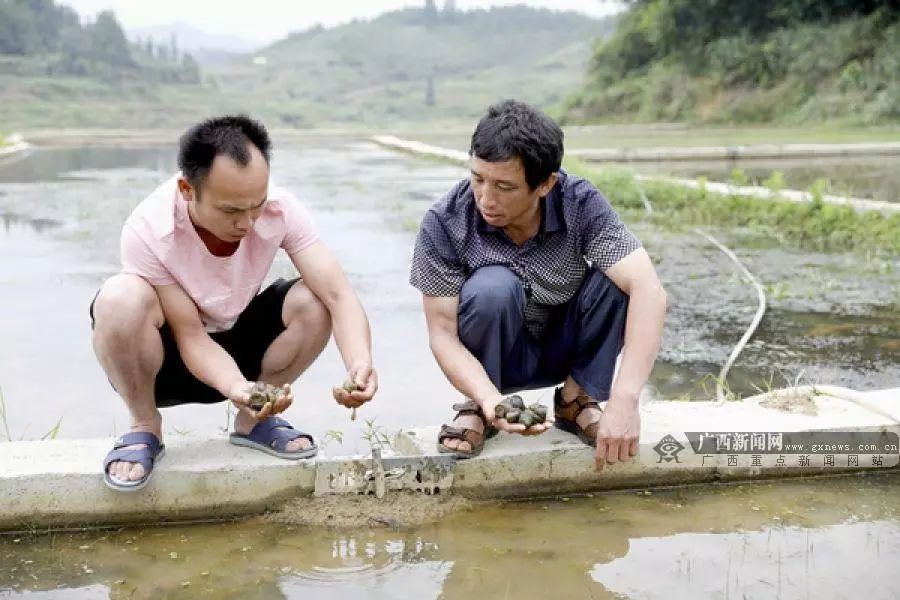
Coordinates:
(185, 320)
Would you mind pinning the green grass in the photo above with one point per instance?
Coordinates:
(814, 225)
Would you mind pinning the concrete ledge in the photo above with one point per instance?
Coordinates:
(557, 463)
(754, 151)
(16, 146)
(860, 204)
(56, 484)
(59, 484)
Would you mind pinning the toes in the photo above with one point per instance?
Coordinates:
(298, 444)
(452, 444)
(137, 472)
(464, 446)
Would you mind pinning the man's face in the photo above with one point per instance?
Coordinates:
(502, 194)
(231, 197)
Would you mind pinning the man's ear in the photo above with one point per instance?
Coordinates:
(186, 189)
(545, 187)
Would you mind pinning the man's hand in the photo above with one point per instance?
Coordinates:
(487, 407)
(366, 380)
(239, 394)
(618, 432)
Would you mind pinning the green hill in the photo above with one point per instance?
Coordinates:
(407, 65)
(724, 61)
(412, 65)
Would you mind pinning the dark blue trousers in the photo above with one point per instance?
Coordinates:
(582, 339)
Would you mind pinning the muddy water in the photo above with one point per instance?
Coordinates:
(832, 538)
(833, 318)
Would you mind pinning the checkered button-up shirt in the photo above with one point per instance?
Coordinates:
(579, 230)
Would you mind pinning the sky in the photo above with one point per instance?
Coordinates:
(269, 20)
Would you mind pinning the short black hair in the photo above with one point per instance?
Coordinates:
(512, 128)
(228, 135)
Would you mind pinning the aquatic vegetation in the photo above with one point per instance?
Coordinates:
(814, 225)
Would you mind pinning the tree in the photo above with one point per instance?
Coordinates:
(449, 9)
(431, 13)
(429, 91)
(108, 42)
(190, 69)
(14, 29)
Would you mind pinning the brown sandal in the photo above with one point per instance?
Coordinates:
(475, 438)
(566, 415)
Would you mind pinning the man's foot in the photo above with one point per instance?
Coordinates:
(466, 435)
(135, 448)
(125, 471)
(244, 423)
(579, 415)
(273, 435)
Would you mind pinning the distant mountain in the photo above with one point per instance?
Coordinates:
(408, 66)
(209, 49)
(416, 64)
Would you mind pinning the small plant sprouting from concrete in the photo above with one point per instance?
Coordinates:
(376, 435)
(332, 435)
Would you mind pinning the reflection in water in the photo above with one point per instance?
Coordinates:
(828, 562)
(38, 225)
(826, 538)
(55, 164)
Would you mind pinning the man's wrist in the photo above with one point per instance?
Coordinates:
(231, 384)
(488, 396)
(628, 398)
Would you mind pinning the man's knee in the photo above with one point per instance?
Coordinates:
(598, 287)
(492, 288)
(125, 302)
(302, 305)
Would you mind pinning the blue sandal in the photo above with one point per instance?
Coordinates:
(146, 457)
(272, 435)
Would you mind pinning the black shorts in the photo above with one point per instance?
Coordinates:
(246, 342)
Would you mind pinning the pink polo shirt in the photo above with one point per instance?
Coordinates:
(159, 243)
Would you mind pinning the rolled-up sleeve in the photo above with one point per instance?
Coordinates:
(605, 237)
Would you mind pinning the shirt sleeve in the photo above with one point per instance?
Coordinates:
(138, 259)
(300, 231)
(436, 270)
(606, 238)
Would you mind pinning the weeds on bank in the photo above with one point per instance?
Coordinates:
(815, 224)
(50, 435)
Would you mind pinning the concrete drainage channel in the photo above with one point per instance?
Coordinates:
(57, 484)
(796, 432)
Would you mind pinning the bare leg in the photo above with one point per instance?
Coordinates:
(308, 325)
(127, 343)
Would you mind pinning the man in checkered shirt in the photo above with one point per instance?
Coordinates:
(530, 279)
